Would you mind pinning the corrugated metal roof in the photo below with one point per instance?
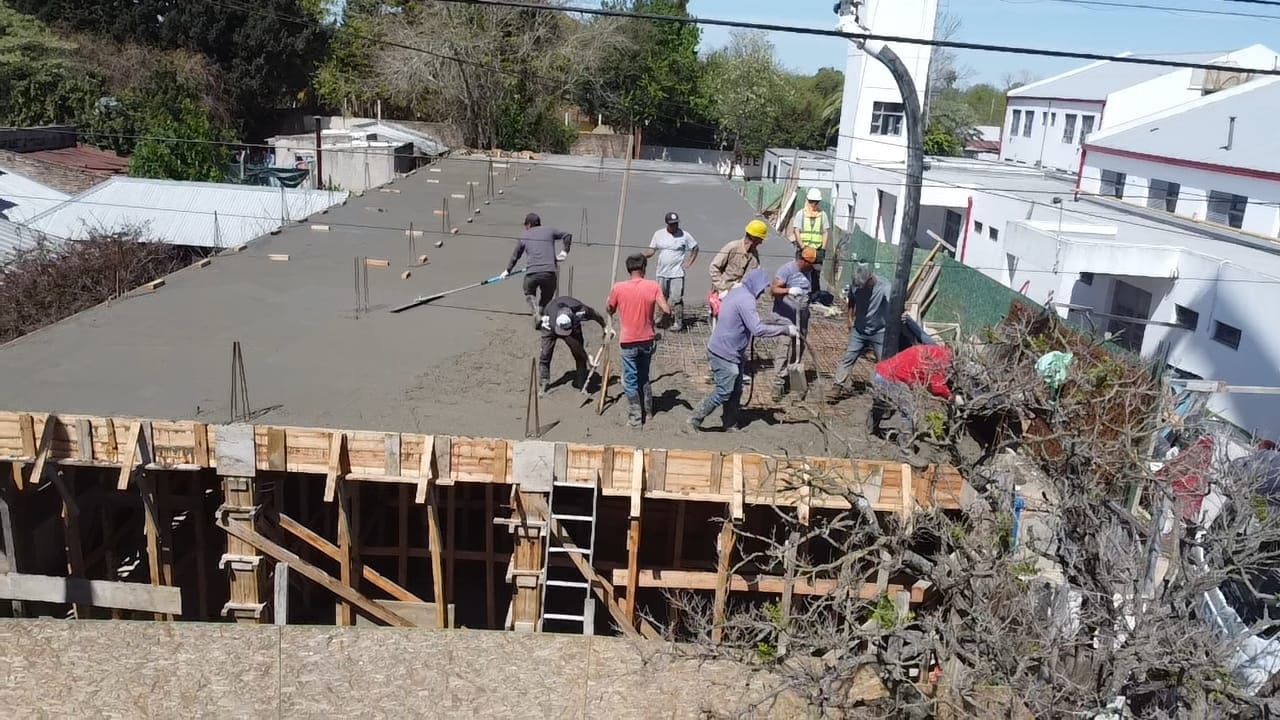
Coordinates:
(1197, 131)
(22, 198)
(1097, 81)
(13, 236)
(85, 157)
(184, 213)
(425, 144)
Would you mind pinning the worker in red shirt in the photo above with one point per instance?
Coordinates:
(894, 378)
(633, 301)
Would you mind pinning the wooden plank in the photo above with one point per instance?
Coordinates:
(443, 446)
(437, 568)
(7, 538)
(738, 501)
(42, 452)
(71, 534)
(200, 436)
(908, 494)
(313, 573)
(606, 466)
(84, 439)
(717, 470)
(276, 449)
(500, 448)
(339, 464)
(27, 431)
(130, 452)
(280, 609)
(375, 578)
(705, 580)
(113, 448)
(346, 550)
(91, 593)
(723, 564)
(637, 481)
(489, 590)
(425, 475)
(633, 567)
(656, 474)
(155, 529)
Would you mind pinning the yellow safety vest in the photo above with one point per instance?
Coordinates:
(811, 231)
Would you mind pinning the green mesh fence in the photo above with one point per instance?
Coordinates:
(763, 193)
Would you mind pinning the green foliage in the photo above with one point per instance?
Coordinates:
(936, 421)
(886, 615)
(41, 81)
(162, 157)
(951, 124)
(987, 103)
(748, 91)
(344, 75)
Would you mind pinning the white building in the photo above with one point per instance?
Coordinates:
(814, 168)
(358, 154)
(1047, 121)
(1215, 159)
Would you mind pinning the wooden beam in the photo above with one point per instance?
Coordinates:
(130, 452)
(633, 567)
(723, 564)
(737, 505)
(437, 568)
(313, 573)
(42, 453)
(7, 534)
(155, 528)
(425, 475)
(339, 464)
(91, 593)
(375, 578)
(280, 608)
(637, 481)
(347, 559)
(71, 533)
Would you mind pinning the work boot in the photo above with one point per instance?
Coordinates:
(580, 379)
(533, 308)
(634, 410)
(648, 402)
(779, 389)
(677, 312)
(544, 387)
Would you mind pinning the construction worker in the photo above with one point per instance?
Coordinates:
(677, 251)
(792, 293)
(868, 315)
(734, 261)
(542, 267)
(563, 321)
(893, 380)
(633, 301)
(812, 229)
(727, 349)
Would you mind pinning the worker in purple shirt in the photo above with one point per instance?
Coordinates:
(727, 350)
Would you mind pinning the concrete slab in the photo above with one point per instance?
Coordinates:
(457, 366)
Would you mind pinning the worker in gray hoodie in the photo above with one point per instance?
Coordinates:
(541, 278)
(727, 350)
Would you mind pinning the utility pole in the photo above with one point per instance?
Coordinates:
(848, 11)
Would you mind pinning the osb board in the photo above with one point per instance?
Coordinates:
(137, 670)
(145, 670)
(679, 474)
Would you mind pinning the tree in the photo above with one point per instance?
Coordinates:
(945, 70)
(182, 144)
(987, 103)
(1014, 80)
(651, 80)
(41, 80)
(951, 125)
(747, 90)
(1077, 600)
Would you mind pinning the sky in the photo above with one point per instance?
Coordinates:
(1054, 24)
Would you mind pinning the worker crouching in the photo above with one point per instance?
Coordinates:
(727, 350)
(792, 291)
(563, 322)
(893, 383)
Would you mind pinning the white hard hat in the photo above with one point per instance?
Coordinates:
(814, 195)
(564, 321)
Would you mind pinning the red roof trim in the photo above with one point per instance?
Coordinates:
(1180, 162)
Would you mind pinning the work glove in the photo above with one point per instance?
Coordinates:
(722, 293)
(609, 332)
(795, 292)
(793, 331)
(505, 274)
(958, 400)
(564, 255)
(545, 322)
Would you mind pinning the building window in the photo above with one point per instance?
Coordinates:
(977, 227)
(1163, 195)
(1186, 318)
(1113, 183)
(1069, 128)
(1227, 335)
(1028, 121)
(1044, 119)
(1053, 119)
(993, 233)
(1227, 209)
(886, 118)
(1086, 278)
(1086, 127)
(1017, 122)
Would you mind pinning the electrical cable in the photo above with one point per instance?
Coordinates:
(1166, 8)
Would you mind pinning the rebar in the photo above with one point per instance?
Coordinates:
(240, 411)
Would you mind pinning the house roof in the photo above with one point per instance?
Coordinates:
(22, 198)
(58, 176)
(85, 157)
(1196, 132)
(1095, 82)
(184, 213)
(14, 236)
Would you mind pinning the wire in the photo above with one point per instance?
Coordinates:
(1167, 8)
(951, 44)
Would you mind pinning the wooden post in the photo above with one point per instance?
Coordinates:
(441, 597)
(7, 493)
(722, 580)
(402, 576)
(280, 608)
(527, 558)
(64, 480)
(156, 526)
(633, 533)
(491, 613)
(347, 559)
(241, 496)
(788, 588)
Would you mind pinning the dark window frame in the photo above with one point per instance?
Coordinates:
(888, 119)
(1113, 186)
(1186, 318)
(1225, 334)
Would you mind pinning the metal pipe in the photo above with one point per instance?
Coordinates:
(319, 158)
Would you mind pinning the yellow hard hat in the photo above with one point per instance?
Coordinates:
(758, 229)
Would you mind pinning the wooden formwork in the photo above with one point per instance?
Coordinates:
(361, 496)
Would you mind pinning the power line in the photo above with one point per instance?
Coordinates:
(1167, 8)
(950, 44)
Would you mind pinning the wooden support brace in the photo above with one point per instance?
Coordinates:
(313, 573)
(42, 453)
(737, 508)
(723, 564)
(128, 460)
(425, 474)
(339, 464)
(637, 481)
(605, 591)
(333, 552)
(908, 494)
(437, 566)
